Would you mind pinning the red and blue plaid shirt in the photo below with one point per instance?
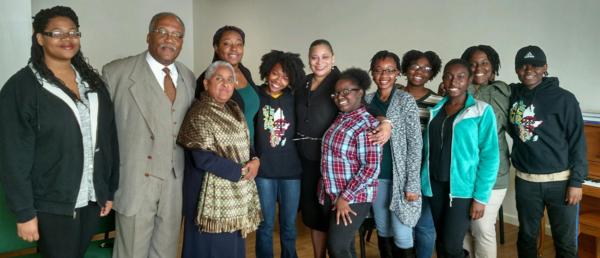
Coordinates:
(350, 162)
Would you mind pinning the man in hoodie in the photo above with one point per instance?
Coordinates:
(549, 154)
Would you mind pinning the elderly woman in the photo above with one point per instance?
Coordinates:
(218, 159)
(228, 45)
(350, 164)
(485, 63)
(397, 207)
(460, 159)
(58, 149)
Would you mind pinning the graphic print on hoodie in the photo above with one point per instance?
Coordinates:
(275, 124)
(523, 117)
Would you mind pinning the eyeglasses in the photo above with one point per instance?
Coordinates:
(164, 33)
(388, 71)
(344, 92)
(61, 34)
(416, 67)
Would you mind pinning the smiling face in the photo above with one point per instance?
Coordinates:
(59, 49)
(530, 75)
(230, 47)
(321, 60)
(277, 79)
(165, 48)
(220, 86)
(384, 73)
(419, 72)
(481, 67)
(347, 96)
(456, 81)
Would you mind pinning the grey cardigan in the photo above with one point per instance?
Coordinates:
(406, 145)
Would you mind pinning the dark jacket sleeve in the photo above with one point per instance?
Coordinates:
(217, 165)
(17, 145)
(576, 140)
(114, 175)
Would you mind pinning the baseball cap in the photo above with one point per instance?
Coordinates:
(532, 55)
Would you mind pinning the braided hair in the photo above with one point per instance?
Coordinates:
(85, 70)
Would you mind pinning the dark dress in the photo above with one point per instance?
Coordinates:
(315, 112)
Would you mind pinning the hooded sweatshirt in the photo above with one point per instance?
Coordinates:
(547, 130)
(275, 130)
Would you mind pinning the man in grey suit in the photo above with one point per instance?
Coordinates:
(151, 94)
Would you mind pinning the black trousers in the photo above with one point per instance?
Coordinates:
(532, 198)
(68, 236)
(340, 238)
(451, 219)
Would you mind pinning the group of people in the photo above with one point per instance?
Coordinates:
(221, 153)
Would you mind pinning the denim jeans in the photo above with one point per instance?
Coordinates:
(425, 232)
(287, 193)
(388, 225)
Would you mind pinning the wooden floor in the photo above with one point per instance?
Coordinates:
(304, 247)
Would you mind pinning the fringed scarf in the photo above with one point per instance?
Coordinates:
(223, 206)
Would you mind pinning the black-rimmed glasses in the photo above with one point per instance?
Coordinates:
(344, 92)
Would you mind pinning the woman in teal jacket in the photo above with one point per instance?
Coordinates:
(460, 159)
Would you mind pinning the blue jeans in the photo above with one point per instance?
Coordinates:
(287, 192)
(425, 232)
(388, 225)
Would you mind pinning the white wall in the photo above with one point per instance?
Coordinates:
(566, 30)
(15, 25)
(114, 29)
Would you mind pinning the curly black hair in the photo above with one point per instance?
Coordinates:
(291, 64)
(357, 76)
(414, 55)
(87, 73)
(490, 52)
(321, 42)
(459, 61)
(383, 54)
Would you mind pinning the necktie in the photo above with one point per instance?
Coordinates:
(169, 86)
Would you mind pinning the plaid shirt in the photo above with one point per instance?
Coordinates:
(350, 163)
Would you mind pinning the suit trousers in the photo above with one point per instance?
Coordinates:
(154, 230)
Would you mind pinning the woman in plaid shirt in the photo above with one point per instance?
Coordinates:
(350, 163)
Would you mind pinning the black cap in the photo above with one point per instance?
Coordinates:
(532, 55)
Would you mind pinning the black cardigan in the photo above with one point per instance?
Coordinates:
(41, 149)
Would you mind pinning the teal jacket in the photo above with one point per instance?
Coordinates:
(475, 157)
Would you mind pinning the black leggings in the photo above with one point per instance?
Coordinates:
(68, 236)
(451, 219)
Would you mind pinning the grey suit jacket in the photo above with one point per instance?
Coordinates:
(147, 127)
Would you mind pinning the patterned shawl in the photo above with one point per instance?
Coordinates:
(224, 206)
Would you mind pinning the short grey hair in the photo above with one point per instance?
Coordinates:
(212, 68)
(161, 15)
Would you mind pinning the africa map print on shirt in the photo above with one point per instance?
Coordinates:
(524, 117)
(276, 125)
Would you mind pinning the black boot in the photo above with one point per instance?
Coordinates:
(403, 253)
(385, 246)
